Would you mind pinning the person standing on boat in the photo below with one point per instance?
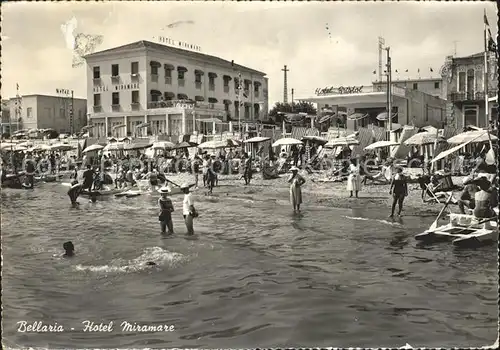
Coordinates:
(398, 190)
(486, 199)
(188, 210)
(166, 209)
(354, 179)
(296, 181)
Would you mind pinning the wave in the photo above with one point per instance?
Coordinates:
(377, 220)
(157, 255)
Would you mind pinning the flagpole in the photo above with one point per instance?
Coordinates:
(239, 105)
(485, 70)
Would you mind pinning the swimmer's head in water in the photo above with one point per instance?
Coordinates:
(69, 248)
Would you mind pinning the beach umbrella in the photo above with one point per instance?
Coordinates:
(91, 148)
(215, 144)
(42, 147)
(342, 141)
(357, 116)
(257, 139)
(316, 139)
(233, 142)
(381, 144)
(61, 147)
(114, 146)
(5, 145)
(383, 116)
(123, 139)
(475, 136)
(20, 148)
(287, 141)
(185, 144)
(137, 146)
(163, 145)
(423, 138)
(26, 144)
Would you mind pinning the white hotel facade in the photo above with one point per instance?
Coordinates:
(148, 88)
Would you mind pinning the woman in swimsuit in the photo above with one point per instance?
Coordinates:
(398, 190)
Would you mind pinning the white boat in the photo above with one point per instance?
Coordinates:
(462, 230)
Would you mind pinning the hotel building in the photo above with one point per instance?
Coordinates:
(463, 81)
(147, 88)
(409, 106)
(43, 112)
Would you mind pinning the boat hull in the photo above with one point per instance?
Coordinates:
(462, 231)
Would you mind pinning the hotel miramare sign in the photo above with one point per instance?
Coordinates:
(342, 90)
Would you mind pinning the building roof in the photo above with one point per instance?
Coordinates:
(409, 80)
(42, 95)
(143, 44)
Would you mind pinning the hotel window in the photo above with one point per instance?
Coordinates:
(29, 112)
(168, 73)
(97, 100)
(97, 72)
(135, 96)
(115, 70)
(134, 68)
(180, 74)
(247, 112)
(115, 99)
(197, 78)
(211, 81)
(154, 70)
(436, 85)
(236, 109)
(415, 86)
(461, 82)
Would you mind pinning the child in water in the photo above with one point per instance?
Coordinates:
(69, 249)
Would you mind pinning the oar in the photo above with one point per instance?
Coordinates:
(173, 183)
(433, 195)
(435, 223)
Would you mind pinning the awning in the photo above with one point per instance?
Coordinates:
(210, 120)
(199, 98)
(212, 75)
(227, 102)
(182, 69)
(227, 77)
(156, 92)
(325, 118)
(155, 64)
(169, 94)
(247, 81)
(198, 72)
(212, 100)
(143, 125)
(257, 83)
(168, 66)
(118, 126)
(248, 104)
(182, 97)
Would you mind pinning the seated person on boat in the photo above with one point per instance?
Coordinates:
(486, 199)
(467, 198)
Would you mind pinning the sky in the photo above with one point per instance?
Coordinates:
(261, 35)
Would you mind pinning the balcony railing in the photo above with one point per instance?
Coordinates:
(181, 82)
(470, 96)
(97, 109)
(168, 80)
(256, 93)
(154, 78)
(135, 106)
(115, 77)
(226, 88)
(115, 107)
(198, 84)
(211, 87)
(97, 81)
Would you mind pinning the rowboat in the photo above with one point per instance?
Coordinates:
(462, 230)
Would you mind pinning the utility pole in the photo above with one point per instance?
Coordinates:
(381, 43)
(285, 86)
(292, 99)
(455, 48)
(389, 90)
(240, 102)
(17, 109)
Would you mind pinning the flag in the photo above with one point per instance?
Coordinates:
(489, 41)
(431, 70)
(17, 86)
(397, 71)
(418, 70)
(374, 72)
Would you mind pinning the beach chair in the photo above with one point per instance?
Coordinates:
(437, 187)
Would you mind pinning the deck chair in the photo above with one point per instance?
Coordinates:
(437, 188)
(382, 178)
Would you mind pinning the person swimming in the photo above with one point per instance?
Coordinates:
(69, 249)
(74, 191)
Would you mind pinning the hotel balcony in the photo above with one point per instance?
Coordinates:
(115, 107)
(154, 78)
(97, 109)
(470, 96)
(168, 80)
(181, 82)
(135, 106)
(198, 85)
(226, 89)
